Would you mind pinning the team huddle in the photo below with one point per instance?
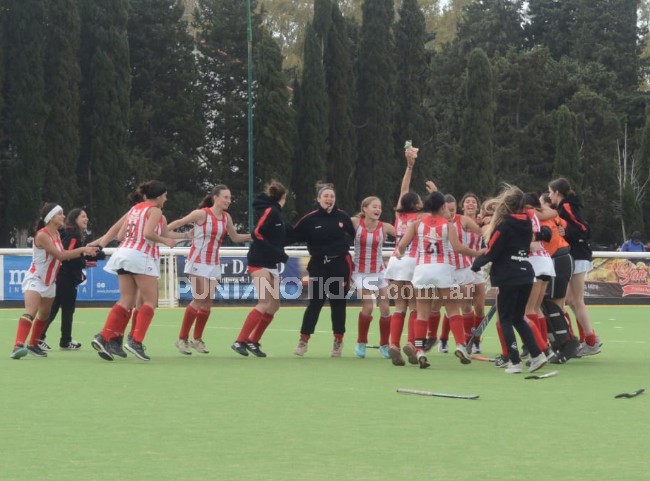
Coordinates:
(534, 249)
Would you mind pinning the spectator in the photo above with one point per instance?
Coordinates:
(634, 243)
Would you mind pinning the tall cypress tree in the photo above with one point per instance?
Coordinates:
(4, 151)
(339, 75)
(412, 121)
(103, 164)
(567, 154)
(312, 125)
(25, 112)
(166, 115)
(377, 169)
(476, 140)
(61, 137)
(275, 128)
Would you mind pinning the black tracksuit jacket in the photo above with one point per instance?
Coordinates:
(577, 232)
(324, 232)
(269, 236)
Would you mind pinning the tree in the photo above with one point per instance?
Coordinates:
(275, 128)
(377, 168)
(339, 77)
(412, 121)
(567, 156)
(550, 24)
(312, 125)
(477, 129)
(632, 187)
(103, 165)
(25, 113)
(62, 91)
(166, 121)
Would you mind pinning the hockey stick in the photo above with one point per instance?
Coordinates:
(372, 346)
(478, 330)
(437, 394)
(627, 395)
(543, 376)
(482, 358)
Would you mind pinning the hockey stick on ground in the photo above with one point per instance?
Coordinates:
(543, 376)
(627, 395)
(372, 346)
(437, 394)
(478, 330)
(482, 358)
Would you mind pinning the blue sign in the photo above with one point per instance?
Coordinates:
(98, 286)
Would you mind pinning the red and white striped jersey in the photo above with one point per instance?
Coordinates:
(207, 239)
(542, 252)
(44, 266)
(402, 222)
(134, 238)
(367, 249)
(468, 239)
(434, 246)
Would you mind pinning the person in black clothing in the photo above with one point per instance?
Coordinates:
(509, 236)
(264, 255)
(328, 232)
(70, 276)
(577, 234)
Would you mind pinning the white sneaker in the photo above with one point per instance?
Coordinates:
(422, 359)
(183, 347)
(537, 362)
(587, 350)
(337, 348)
(301, 348)
(513, 368)
(199, 346)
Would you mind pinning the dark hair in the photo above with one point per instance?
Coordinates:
(467, 196)
(433, 202)
(409, 203)
(546, 198)
(322, 186)
(275, 190)
(561, 185)
(449, 199)
(150, 189)
(532, 199)
(47, 207)
(208, 200)
(71, 221)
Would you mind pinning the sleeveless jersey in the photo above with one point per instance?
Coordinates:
(207, 239)
(468, 239)
(433, 241)
(368, 248)
(542, 252)
(402, 222)
(44, 266)
(135, 239)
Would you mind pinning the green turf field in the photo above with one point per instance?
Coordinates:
(221, 416)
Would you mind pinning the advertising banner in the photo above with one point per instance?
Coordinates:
(618, 278)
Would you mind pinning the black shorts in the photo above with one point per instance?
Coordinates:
(557, 288)
(122, 272)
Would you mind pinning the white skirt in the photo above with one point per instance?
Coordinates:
(33, 283)
(370, 282)
(434, 275)
(581, 266)
(542, 265)
(133, 261)
(464, 276)
(400, 269)
(203, 270)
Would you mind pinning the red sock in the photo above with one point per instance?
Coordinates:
(502, 341)
(384, 330)
(114, 322)
(124, 322)
(201, 320)
(591, 339)
(396, 327)
(142, 323)
(543, 327)
(257, 333)
(581, 331)
(37, 331)
(477, 321)
(251, 322)
(24, 326)
(468, 324)
(305, 337)
(188, 321)
(364, 327)
(434, 322)
(338, 337)
(410, 327)
(444, 332)
(456, 324)
(134, 316)
(542, 344)
(421, 327)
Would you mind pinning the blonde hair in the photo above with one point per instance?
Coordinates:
(366, 202)
(509, 201)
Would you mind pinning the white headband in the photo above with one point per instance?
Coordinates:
(52, 213)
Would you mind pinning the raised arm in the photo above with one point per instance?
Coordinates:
(410, 154)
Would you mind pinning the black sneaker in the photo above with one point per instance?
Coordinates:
(71, 346)
(501, 361)
(254, 347)
(19, 351)
(240, 348)
(44, 345)
(36, 351)
(137, 349)
(429, 343)
(115, 347)
(101, 346)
